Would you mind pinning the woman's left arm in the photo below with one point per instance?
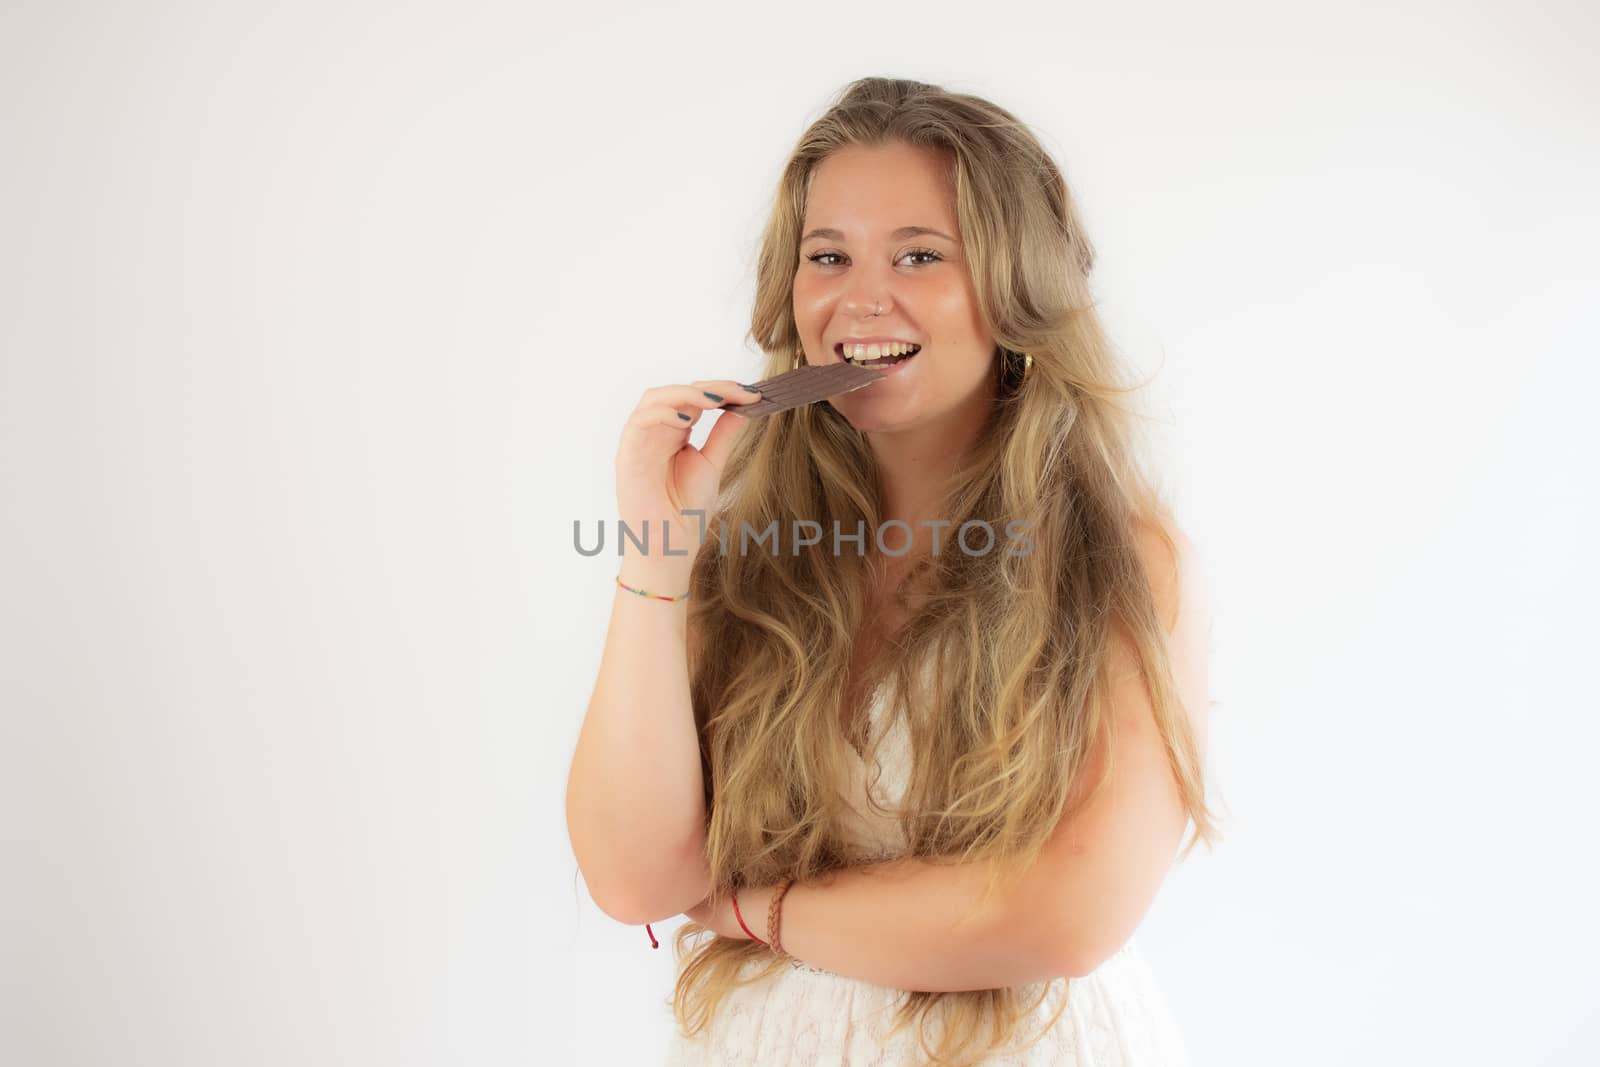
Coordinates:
(895, 924)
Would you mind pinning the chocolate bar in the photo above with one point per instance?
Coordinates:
(806, 385)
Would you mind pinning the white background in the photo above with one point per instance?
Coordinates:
(320, 322)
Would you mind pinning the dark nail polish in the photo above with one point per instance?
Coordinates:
(713, 396)
(684, 417)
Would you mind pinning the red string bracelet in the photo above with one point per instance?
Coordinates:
(740, 917)
(736, 914)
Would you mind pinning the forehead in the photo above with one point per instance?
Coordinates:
(864, 192)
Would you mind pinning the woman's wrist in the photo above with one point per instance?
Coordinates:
(654, 577)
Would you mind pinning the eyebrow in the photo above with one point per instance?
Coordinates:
(898, 235)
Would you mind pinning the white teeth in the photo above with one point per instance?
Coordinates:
(860, 353)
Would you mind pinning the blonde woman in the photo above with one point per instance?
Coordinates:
(914, 784)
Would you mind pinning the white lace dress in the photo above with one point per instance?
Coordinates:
(806, 1017)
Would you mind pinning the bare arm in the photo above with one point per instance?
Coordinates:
(635, 795)
(911, 924)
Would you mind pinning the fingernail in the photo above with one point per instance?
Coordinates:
(748, 388)
(713, 396)
(684, 417)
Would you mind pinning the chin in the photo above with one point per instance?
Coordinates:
(871, 417)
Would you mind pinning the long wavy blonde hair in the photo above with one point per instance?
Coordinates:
(999, 674)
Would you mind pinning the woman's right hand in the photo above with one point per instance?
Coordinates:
(660, 475)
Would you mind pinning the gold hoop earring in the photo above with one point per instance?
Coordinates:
(799, 357)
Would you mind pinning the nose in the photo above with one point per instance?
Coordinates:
(868, 294)
(867, 302)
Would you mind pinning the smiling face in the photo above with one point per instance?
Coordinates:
(875, 271)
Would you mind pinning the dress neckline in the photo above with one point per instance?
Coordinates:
(875, 708)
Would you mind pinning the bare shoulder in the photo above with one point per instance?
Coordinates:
(1178, 579)
(1177, 573)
